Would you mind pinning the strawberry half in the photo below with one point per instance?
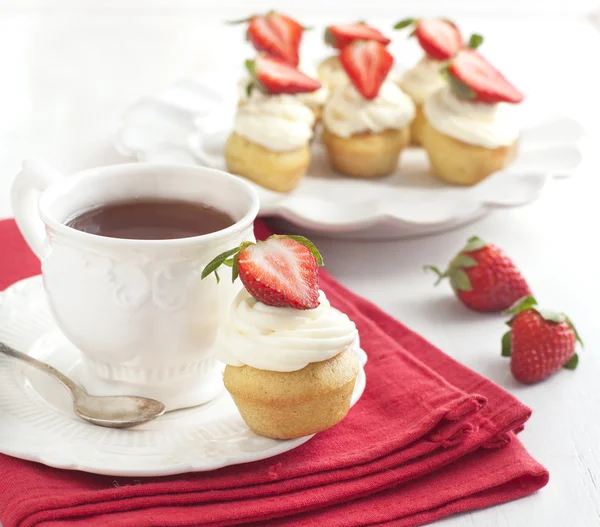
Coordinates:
(275, 34)
(473, 77)
(439, 38)
(282, 271)
(483, 277)
(367, 64)
(342, 35)
(540, 342)
(274, 76)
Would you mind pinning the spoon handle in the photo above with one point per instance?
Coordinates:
(42, 366)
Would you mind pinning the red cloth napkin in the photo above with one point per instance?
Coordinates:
(427, 439)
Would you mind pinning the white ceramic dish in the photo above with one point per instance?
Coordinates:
(190, 122)
(38, 424)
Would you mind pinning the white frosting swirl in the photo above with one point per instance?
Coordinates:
(315, 98)
(423, 80)
(476, 123)
(348, 112)
(277, 122)
(282, 338)
(332, 74)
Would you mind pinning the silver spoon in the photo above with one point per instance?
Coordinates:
(119, 411)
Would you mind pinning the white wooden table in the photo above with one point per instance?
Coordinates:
(69, 69)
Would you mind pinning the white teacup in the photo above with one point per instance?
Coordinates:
(137, 309)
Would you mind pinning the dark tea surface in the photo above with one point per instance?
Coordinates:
(151, 220)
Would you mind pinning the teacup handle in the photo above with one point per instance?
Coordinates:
(29, 183)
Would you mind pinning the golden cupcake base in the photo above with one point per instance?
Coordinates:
(366, 155)
(460, 163)
(416, 127)
(286, 405)
(279, 171)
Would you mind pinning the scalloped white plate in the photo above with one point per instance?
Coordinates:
(190, 122)
(39, 425)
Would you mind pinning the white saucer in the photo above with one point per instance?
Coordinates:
(190, 121)
(38, 424)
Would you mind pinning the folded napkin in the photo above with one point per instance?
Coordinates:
(427, 439)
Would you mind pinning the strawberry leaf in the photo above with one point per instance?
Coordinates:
(439, 273)
(216, 262)
(474, 244)
(475, 41)
(229, 262)
(463, 261)
(249, 89)
(460, 281)
(217, 276)
(573, 362)
(238, 21)
(307, 243)
(405, 23)
(550, 316)
(251, 67)
(568, 320)
(460, 89)
(523, 304)
(235, 271)
(506, 344)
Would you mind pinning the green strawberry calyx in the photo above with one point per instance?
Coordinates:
(405, 23)
(475, 40)
(459, 280)
(231, 258)
(529, 302)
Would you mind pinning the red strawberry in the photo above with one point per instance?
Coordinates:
(275, 34)
(367, 64)
(275, 76)
(478, 80)
(483, 277)
(439, 38)
(342, 35)
(282, 271)
(540, 342)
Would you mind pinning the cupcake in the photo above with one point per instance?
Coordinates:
(440, 41)
(330, 71)
(470, 128)
(366, 121)
(272, 129)
(290, 368)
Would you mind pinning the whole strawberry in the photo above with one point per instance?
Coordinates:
(483, 277)
(281, 271)
(540, 342)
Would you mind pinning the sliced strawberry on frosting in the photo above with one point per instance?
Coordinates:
(275, 76)
(439, 39)
(473, 77)
(341, 35)
(367, 64)
(282, 271)
(275, 34)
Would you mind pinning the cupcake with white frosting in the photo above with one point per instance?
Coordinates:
(366, 122)
(471, 128)
(290, 368)
(273, 127)
(330, 70)
(440, 40)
